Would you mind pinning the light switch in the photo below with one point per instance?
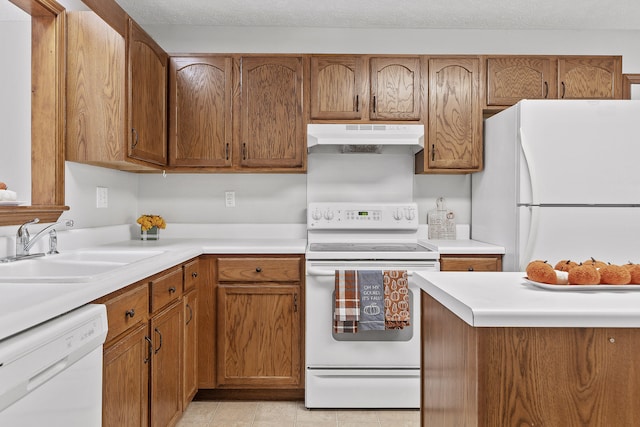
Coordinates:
(230, 199)
(102, 197)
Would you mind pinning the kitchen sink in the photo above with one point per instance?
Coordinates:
(73, 267)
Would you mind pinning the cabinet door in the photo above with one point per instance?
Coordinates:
(590, 78)
(455, 118)
(190, 351)
(147, 68)
(395, 88)
(126, 381)
(166, 366)
(95, 99)
(510, 79)
(259, 336)
(271, 129)
(200, 116)
(338, 87)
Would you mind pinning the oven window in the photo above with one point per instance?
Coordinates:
(404, 334)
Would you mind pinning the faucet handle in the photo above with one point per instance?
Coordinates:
(23, 228)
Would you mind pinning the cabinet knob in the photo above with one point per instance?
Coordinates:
(470, 269)
(130, 313)
(172, 290)
(194, 274)
(258, 269)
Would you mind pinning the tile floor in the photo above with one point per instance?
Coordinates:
(290, 414)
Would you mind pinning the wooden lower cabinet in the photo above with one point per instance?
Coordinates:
(126, 380)
(150, 357)
(166, 363)
(526, 376)
(470, 262)
(259, 335)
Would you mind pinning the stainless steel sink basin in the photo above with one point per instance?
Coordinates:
(73, 267)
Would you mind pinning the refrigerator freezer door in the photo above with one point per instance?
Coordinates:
(611, 234)
(578, 152)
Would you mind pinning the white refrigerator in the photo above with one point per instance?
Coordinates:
(561, 181)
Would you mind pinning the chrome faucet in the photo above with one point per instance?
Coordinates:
(24, 242)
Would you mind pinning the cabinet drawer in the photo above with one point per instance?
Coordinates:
(191, 275)
(166, 288)
(127, 310)
(259, 269)
(471, 263)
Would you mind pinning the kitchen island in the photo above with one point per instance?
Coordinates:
(498, 351)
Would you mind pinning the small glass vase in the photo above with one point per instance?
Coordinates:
(151, 234)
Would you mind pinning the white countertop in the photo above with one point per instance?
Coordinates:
(23, 305)
(462, 246)
(484, 299)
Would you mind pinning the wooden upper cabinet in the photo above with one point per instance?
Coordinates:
(454, 133)
(115, 97)
(147, 72)
(271, 126)
(583, 77)
(200, 111)
(512, 78)
(338, 87)
(395, 88)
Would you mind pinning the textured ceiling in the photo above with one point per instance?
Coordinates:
(436, 14)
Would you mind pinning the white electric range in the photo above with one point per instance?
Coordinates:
(368, 369)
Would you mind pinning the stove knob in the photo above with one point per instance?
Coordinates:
(328, 215)
(397, 215)
(316, 215)
(410, 214)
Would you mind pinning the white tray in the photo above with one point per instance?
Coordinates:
(572, 288)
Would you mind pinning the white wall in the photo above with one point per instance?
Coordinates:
(281, 198)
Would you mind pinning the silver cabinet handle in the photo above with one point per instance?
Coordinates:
(150, 348)
(160, 344)
(190, 314)
(135, 137)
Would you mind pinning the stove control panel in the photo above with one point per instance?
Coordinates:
(381, 216)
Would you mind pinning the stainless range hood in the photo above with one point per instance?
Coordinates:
(365, 138)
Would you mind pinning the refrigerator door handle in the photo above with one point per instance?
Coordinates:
(525, 256)
(528, 158)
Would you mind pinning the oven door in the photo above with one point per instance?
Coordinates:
(366, 349)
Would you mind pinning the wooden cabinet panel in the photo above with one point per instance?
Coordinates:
(470, 262)
(166, 367)
(190, 348)
(395, 88)
(590, 78)
(338, 87)
(513, 78)
(454, 142)
(166, 288)
(127, 310)
(259, 269)
(200, 128)
(126, 381)
(191, 274)
(271, 126)
(147, 68)
(95, 96)
(259, 336)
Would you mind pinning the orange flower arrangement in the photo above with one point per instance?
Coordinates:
(149, 221)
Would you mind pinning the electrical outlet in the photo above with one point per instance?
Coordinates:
(230, 199)
(102, 197)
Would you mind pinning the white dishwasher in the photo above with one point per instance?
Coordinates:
(51, 374)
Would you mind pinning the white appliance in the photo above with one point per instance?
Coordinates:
(365, 138)
(51, 374)
(367, 369)
(561, 181)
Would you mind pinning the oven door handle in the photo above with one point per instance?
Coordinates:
(321, 272)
